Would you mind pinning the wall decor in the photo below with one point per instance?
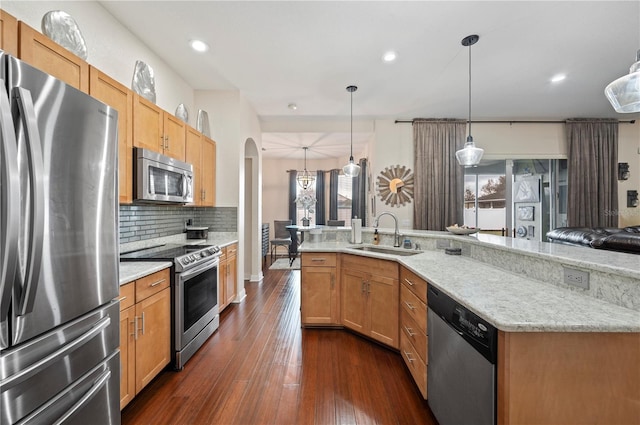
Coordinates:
(623, 171)
(60, 27)
(182, 112)
(526, 213)
(144, 83)
(395, 185)
(202, 123)
(526, 190)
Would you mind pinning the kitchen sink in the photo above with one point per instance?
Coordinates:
(387, 250)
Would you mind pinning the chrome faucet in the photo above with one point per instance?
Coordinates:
(396, 234)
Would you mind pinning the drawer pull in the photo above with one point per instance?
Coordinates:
(122, 299)
(157, 283)
(411, 307)
(409, 282)
(135, 328)
(409, 331)
(408, 356)
(319, 259)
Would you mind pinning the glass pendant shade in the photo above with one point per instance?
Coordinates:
(305, 179)
(624, 93)
(470, 155)
(351, 169)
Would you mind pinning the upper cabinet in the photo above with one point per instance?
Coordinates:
(201, 152)
(119, 97)
(157, 130)
(45, 54)
(208, 172)
(8, 33)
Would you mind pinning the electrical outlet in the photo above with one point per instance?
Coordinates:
(577, 278)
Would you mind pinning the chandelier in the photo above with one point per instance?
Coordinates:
(305, 179)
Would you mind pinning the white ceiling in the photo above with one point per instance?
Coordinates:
(308, 52)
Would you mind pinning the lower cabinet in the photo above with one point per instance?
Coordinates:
(369, 296)
(320, 290)
(413, 326)
(228, 273)
(145, 332)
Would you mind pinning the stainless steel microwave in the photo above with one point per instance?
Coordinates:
(161, 179)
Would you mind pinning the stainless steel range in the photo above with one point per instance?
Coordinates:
(194, 293)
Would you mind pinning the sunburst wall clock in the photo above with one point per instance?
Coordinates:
(395, 185)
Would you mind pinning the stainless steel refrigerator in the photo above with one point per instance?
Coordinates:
(59, 323)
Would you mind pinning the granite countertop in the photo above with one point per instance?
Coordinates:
(508, 301)
(132, 270)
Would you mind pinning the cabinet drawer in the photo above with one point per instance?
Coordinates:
(232, 250)
(416, 284)
(149, 285)
(414, 307)
(127, 295)
(317, 259)
(373, 266)
(412, 332)
(416, 366)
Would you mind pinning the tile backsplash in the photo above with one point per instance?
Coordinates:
(140, 222)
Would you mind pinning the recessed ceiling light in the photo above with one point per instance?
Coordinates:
(389, 56)
(199, 46)
(557, 78)
(292, 106)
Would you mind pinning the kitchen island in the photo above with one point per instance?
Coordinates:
(565, 354)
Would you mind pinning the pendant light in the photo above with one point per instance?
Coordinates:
(471, 155)
(305, 179)
(624, 93)
(351, 169)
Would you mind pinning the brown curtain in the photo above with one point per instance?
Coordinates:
(439, 179)
(592, 171)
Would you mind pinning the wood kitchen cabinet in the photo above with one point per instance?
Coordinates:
(320, 289)
(201, 153)
(568, 378)
(157, 130)
(40, 51)
(8, 33)
(369, 296)
(145, 332)
(119, 97)
(228, 272)
(413, 326)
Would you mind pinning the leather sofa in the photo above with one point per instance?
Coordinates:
(625, 239)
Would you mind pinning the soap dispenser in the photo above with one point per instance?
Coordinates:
(376, 237)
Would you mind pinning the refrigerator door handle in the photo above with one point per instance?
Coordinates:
(10, 205)
(95, 388)
(27, 372)
(30, 126)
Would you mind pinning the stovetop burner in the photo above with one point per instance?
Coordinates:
(183, 256)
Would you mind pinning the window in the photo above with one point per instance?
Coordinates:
(345, 196)
(485, 200)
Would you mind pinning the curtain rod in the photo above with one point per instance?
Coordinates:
(513, 122)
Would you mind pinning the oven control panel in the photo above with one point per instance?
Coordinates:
(196, 257)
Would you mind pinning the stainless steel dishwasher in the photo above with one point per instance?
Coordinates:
(461, 377)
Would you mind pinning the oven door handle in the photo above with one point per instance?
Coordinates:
(201, 268)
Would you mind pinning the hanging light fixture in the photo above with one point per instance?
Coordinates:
(470, 155)
(624, 93)
(305, 179)
(351, 169)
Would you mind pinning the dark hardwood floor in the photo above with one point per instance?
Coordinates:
(261, 367)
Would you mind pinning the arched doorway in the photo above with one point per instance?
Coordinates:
(252, 212)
